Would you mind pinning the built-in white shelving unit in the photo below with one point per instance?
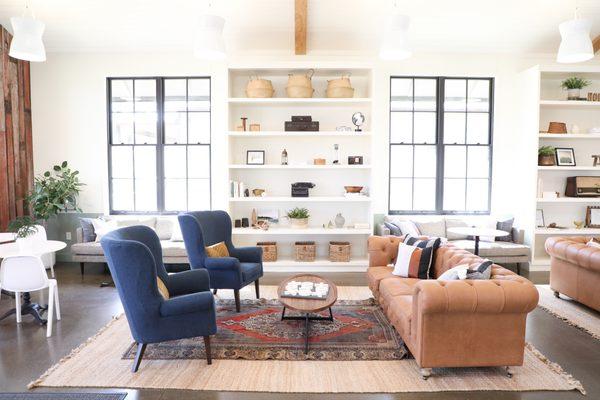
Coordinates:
(328, 197)
(554, 107)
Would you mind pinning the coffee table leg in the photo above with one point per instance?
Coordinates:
(476, 245)
(307, 333)
(330, 314)
(283, 314)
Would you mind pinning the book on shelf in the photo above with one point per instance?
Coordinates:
(237, 189)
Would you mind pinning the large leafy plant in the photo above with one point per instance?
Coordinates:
(23, 226)
(298, 213)
(575, 82)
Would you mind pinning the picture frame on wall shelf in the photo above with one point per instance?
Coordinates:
(255, 157)
(539, 218)
(565, 157)
(592, 217)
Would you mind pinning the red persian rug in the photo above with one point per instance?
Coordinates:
(360, 331)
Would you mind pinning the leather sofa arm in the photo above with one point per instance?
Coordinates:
(382, 250)
(574, 250)
(474, 296)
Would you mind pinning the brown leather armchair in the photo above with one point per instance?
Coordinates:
(575, 269)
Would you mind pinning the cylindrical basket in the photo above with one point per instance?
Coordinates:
(557, 127)
(299, 92)
(305, 251)
(269, 251)
(339, 251)
(259, 88)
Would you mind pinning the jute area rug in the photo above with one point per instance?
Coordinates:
(99, 363)
(570, 311)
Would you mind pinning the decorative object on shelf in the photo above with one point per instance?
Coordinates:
(554, 225)
(300, 85)
(579, 224)
(237, 223)
(244, 123)
(340, 88)
(284, 157)
(329, 225)
(271, 215)
(300, 189)
(255, 157)
(343, 128)
(573, 85)
(245, 223)
(259, 88)
(592, 217)
(298, 217)
(565, 157)
(239, 128)
(595, 130)
(336, 149)
(254, 127)
(593, 96)
(246, 193)
(339, 220)
(269, 251)
(258, 192)
(596, 159)
(305, 251)
(319, 161)
(353, 189)
(238, 189)
(539, 218)
(358, 119)
(301, 123)
(575, 129)
(583, 186)
(261, 224)
(546, 156)
(299, 92)
(550, 195)
(254, 218)
(355, 160)
(339, 251)
(557, 127)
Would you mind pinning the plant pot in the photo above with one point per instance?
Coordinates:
(299, 223)
(573, 94)
(26, 244)
(546, 160)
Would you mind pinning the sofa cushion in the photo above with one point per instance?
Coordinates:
(395, 286)
(400, 314)
(164, 228)
(494, 249)
(173, 249)
(375, 275)
(87, 229)
(435, 228)
(87, 248)
(506, 226)
(455, 223)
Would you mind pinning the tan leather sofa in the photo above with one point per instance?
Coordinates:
(575, 269)
(471, 323)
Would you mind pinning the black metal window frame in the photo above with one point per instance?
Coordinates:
(440, 145)
(160, 141)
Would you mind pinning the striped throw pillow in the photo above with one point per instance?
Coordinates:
(429, 247)
(408, 262)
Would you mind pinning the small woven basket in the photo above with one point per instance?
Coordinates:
(305, 251)
(339, 251)
(269, 251)
(557, 127)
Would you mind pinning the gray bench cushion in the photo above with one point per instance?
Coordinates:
(170, 249)
(494, 249)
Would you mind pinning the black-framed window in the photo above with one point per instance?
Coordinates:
(159, 138)
(440, 145)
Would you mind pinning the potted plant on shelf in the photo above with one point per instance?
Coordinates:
(298, 217)
(546, 156)
(24, 228)
(573, 86)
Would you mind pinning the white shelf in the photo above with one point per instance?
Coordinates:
(310, 199)
(249, 134)
(591, 136)
(305, 166)
(561, 168)
(288, 100)
(568, 231)
(569, 103)
(568, 200)
(305, 231)
(319, 265)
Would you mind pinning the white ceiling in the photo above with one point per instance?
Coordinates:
(344, 26)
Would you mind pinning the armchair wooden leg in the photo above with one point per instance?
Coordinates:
(236, 294)
(257, 287)
(207, 349)
(81, 265)
(141, 347)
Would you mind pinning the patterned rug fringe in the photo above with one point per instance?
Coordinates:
(569, 322)
(556, 368)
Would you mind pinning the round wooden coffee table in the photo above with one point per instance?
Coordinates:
(307, 306)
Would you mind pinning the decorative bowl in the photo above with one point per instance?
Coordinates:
(353, 189)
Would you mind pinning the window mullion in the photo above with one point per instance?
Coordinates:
(439, 189)
(160, 142)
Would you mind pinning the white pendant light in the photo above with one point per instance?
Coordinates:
(27, 38)
(395, 43)
(209, 43)
(575, 45)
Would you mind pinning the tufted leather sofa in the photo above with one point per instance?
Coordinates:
(471, 323)
(575, 269)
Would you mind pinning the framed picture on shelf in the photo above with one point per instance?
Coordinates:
(592, 217)
(539, 218)
(255, 157)
(565, 156)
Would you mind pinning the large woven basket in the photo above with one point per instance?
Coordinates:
(339, 251)
(301, 79)
(344, 81)
(340, 92)
(269, 251)
(305, 251)
(259, 88)
(299, 92)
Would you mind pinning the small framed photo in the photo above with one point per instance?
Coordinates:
(592, 218)
(255, 157)
(565, 156)
(539, 218)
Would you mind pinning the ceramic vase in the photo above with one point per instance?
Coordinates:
(339, 221)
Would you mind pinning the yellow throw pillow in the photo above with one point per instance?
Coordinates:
(162, 288)
(217, 250)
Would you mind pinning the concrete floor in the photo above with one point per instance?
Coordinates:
(25, 353)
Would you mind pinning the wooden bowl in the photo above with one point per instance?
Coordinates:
(353, 189)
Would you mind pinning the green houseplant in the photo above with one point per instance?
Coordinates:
(573, 86)
(546, 155)
(298, 217)
(24, 228)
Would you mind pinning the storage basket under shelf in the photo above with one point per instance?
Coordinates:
(305, 251)
(339, 251)
(269, 251)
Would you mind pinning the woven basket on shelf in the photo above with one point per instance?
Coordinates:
(340, 92)
(269, 250)
(259, 88)
(299, 92)
(339, 251)
(557, 127)
(305, 251)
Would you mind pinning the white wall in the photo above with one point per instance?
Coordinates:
(69, 114)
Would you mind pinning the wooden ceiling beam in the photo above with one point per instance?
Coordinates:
(301, 8)
(596, 44)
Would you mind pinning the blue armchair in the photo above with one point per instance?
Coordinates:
(244, 266)
(134, 257)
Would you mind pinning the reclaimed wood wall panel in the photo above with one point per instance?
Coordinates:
(16, 145)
